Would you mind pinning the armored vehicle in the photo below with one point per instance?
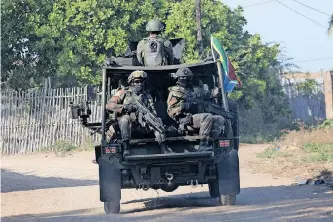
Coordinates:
(146, 168)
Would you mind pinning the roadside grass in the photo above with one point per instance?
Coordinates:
(273, 153)
(318, 152)
(310, 152)
(302, 153)
(64, 147)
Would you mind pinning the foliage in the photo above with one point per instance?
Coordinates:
(89, 31)
(318, 152)
(75, 37)
(25, 59)
(62, 147)
(312, 152)
(269, 153)
(255, 128)
(307, 87)
(69, 41)
(273, 152)
(326, 124)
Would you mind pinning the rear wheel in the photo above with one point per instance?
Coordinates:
(227, 200)
(213, 189)
(111, 207)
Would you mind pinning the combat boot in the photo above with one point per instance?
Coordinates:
(203, 146)
(126, 149)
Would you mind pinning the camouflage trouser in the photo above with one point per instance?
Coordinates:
(125, 124)
(208, 124)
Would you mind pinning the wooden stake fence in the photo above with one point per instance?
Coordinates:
(32, 121)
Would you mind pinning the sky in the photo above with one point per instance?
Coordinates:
(301, 38)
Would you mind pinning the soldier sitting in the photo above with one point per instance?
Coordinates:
(154, 51)
(122, 104)
(182, 110)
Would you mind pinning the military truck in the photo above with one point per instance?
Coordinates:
(146, 168)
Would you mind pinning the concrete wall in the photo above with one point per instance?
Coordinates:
(312, 108)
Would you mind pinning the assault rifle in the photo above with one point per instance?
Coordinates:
(145, 116)
(210, 107)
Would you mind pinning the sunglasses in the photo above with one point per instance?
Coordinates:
(136, 81)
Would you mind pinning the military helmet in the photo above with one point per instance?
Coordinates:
(184, 72)
(154, 26)
(136, 75)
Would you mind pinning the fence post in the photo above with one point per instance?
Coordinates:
(328, 91)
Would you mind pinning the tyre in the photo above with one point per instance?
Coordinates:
(227, 200)
(111, 207)
(233, 108)
(213, 189)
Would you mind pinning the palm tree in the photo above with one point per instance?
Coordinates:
(330, 25)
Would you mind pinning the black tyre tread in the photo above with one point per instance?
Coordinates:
(111, 208)
(227, 200)
(213, 188)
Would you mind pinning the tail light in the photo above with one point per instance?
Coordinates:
(112, 149)
(224, 143)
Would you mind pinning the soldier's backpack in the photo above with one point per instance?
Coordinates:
(154, 52)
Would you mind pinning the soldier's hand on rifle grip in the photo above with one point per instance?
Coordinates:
(215, 92)
(129, 107)
(187, 120)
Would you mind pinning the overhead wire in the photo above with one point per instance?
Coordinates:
(301, 3)
(302, 14)
(311, 60)
(301, 61)
(260, 3)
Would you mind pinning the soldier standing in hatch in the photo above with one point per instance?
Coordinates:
(183, 111)
(154, 51)
(121, 103)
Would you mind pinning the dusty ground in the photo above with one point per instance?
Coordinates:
(49, 188)
(288, 160)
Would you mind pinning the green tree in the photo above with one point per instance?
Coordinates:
(23, 65)
(71, 39)
(89, 31)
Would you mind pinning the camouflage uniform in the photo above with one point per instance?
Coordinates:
(155, 27)
(127, 118)
(179, 107)
(206, 123)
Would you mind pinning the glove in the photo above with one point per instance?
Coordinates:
(215, 92)
(129, 107)
(187, 120)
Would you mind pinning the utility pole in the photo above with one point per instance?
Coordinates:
(198, 22)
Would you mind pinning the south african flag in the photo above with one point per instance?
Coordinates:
(230, 77)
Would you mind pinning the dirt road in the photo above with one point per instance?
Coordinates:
(44, 187)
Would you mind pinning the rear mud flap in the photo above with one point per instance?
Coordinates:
(109, 181)
(228, 174)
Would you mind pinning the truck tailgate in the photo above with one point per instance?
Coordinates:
(171, 157)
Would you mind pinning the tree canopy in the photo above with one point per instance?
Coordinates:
(70, 39)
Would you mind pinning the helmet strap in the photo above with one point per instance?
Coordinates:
(186, 83)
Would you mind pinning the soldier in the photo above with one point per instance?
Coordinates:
(185, 112)
(122, 104)
(154, 51)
